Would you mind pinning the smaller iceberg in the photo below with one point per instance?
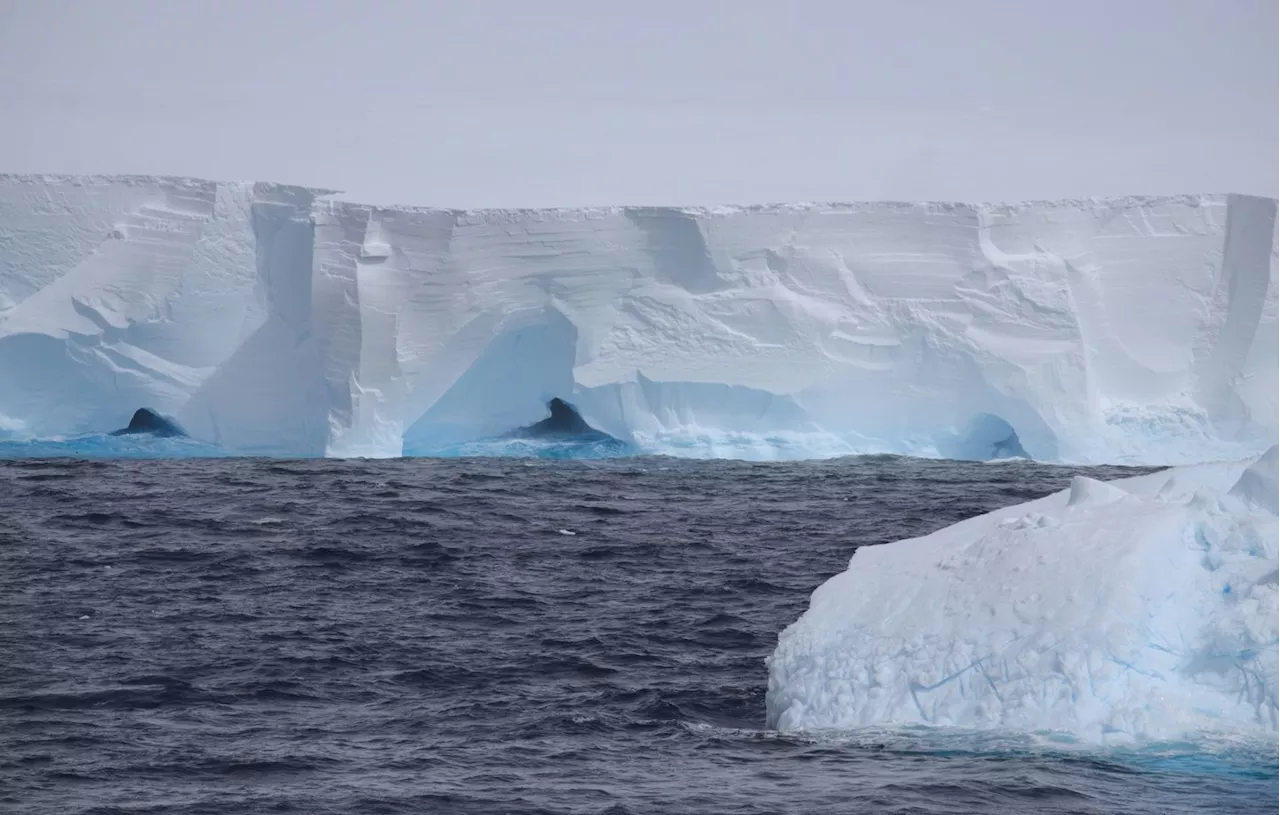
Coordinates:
(147, 421)
(148, 435)
(564, 423)
(562, 435)
(1133, 611)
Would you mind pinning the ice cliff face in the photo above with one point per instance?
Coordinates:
(270, 317)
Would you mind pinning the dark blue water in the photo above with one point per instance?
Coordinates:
(243, 636)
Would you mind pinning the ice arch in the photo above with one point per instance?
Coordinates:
(508, 386)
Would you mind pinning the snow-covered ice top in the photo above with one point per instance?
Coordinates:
(1141, 609)
(271, 317)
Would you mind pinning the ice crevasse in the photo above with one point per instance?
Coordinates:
(266, 317)
(1137, 610)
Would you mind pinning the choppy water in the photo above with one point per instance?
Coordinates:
(488, 635)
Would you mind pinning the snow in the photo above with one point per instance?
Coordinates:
(1258, 485)
(265, 317)
(1144, 609)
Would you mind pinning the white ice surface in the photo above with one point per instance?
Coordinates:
(1140, 609)
(264, 316)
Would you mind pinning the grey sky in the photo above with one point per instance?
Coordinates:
(474, 103)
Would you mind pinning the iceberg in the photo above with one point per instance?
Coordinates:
(273, 318)
(1138, 610)
(147, 422)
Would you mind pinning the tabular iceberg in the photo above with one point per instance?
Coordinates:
(270, 317)
(1139, 609)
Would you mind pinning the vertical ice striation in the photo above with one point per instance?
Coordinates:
(271, 317)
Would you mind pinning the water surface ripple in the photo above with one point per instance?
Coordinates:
(489, 635)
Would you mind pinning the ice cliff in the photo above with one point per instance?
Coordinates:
(1142, 609)
(275, 318)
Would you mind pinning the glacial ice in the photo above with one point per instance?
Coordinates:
(1143, 609)
(146, 422)
(272, 318)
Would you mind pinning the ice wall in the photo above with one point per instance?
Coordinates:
(272, 317)
(192, 297)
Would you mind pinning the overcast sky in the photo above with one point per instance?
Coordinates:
(515, 103)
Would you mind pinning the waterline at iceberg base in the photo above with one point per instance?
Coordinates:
(276, 319)
(1116, 613)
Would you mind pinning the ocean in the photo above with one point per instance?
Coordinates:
(491, 635)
